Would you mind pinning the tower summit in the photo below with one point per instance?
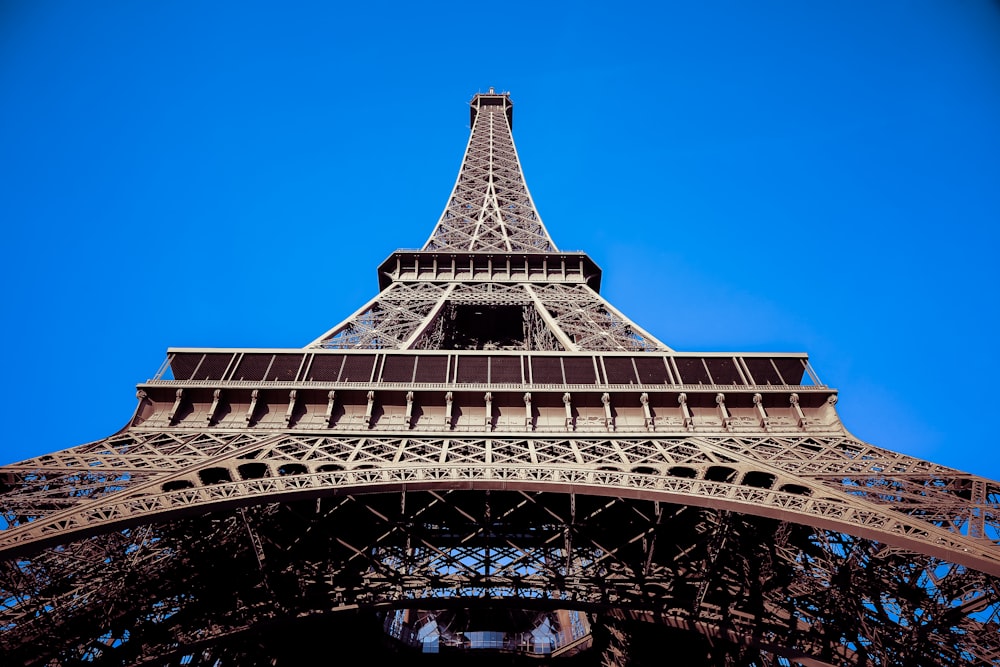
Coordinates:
(489, 458)
(490, 209)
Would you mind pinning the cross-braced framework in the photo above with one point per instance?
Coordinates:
(544, 317)
(490, 209)
(490, 458)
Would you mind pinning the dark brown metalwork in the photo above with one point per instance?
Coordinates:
(490, 458)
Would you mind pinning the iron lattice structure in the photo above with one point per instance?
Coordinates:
(489, 457)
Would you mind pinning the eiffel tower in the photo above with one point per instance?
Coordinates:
(489, 461)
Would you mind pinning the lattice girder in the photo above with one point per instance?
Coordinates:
(770, 584)
(571, 316)
(489, 434)
(590, 321)
(694, 470)
(387, 321)
(490, 208)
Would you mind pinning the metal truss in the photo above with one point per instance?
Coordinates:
(825, 481)
(751, 586)
(490, 208)
(489, 457)
(387, 321)
(590, 322)
(554, 317)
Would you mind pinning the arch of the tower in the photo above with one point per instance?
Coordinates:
(119, 484)
(488, 456)
(747, 583)
(742, 538)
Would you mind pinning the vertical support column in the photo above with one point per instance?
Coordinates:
(292, 395)
(758, 402)
(216, 399)
(330, 399)
(449, 400)
(368, 410)
(568, 533)
(727, 421)
(682, 399)
(178, 399)
(254, 395)
(609, 422)
(567, 402)
(528, 424)
(793, 400)
(409, 409)
(488, 421)
(647, 415)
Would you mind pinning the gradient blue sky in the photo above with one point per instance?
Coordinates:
(775, 176)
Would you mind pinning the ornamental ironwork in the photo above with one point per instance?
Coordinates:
(488, 458)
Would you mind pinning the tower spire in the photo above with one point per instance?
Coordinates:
(490, 208)
(489, 277)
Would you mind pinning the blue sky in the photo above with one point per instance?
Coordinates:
(770, 176)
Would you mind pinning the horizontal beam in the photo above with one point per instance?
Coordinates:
(494, 367)
(418, 265)
(843, 514)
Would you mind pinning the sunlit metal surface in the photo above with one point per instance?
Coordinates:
(488, 458)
